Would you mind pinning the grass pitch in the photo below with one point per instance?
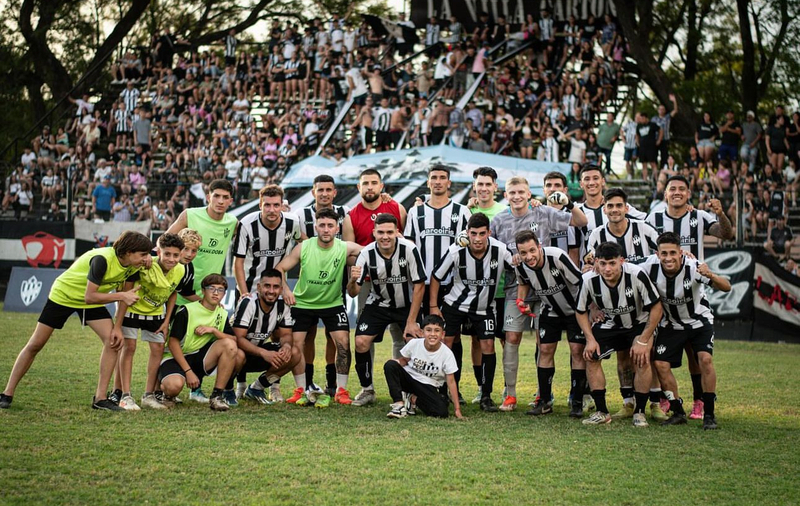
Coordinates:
(55, 450)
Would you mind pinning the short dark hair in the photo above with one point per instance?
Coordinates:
(220, 184)
(439, 167)
(615, 192)
(370, 172)
(524, 236)
(327, 213)
(556, 175)
(677, 177)
(132, 242)
(433, 319)
(386, 218)
(478, 220)
(608, 251)
(214, 279)
(324, 178)
(168, 240)
(484, 171)
(588, 167)
(271, 273)
(669, 238)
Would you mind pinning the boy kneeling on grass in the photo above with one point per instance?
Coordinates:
(202, 342)
(417, 378)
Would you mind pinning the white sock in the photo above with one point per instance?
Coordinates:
(300, 380)
(370, 387)
(510, 367)
(241, 386)
(256, 385)
(341, 380)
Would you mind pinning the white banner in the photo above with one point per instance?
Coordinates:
(86, 230)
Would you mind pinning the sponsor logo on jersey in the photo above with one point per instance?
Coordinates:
(437, 232)
(619, 310)
(30, 289)
(212, 242)
(269, 252)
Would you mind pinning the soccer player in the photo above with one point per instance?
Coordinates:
(84, 288)
(422, 370)
(398, 285)
(215, 226)
(550, 274)
(636, 237)
(262, 324)
(544, 221)
(156, 287)
(564, 239)
(629, 302)
(318, 295)
(688, 319)
(691, 226)
(192, 241)
(476, 270)
(201, 341)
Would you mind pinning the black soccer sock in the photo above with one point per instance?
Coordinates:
(545, 375)
(363, 368)
(676, 406)
(655, 394)
(578, 385)
(697, 387)
(458, 351)
(599, 397)
(641, 402)
(627, 393)
(476, 369)
(330, 375)
(709, 398)
(216, 392)
(309, 374)
(229, 384)
(241, 377)
(488, 367)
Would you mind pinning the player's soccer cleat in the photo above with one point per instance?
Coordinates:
(313, 391)
(105, 405)
(5, 401)
(165, 399)
(625, 412)
(675, 419)
(397, 411)
(303, 400)
(509, 404)
(364, 398)
(343, 397)
(576, 411)
(256, 395)
(115, 396)
(323, 401)
(709, 423)
(478, 396)
(656, 413)
(218, 403)
(408, 402)
(697, 410)
(128, 404)
(298, 393)
(230, 397)
(542, 408)
(664, 403)
(275, 393)
(488, 405)
(150, 401)
(639, 420)
(597, 418)
(198, 396)
(588, 402)
(176, 400)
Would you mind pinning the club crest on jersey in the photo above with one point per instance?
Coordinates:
(629, 292)
(454, 218)
(373, 216)
(693, 222)
(336, 262)
(661, 349)
(534, 226)
(637, 240)
(687, 284)
(493, 264)
(226, 232)
(402, 262)
(555, 272)
(363, 327)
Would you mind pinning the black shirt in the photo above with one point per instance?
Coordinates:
(731, 138)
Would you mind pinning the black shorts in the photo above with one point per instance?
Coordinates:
(55, 315)
(373, 320)
(150, 324)
(360, 100)
(334, 318)
(483, 326)
(256, 363)
(647, 155)
(615, 340)
(550, 329)
(383, 138)
(195, 361)
(670, 343)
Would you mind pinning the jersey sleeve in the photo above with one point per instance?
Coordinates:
(179, 323)
(97, 269)
(408, 349)
(508, 261)
(361, 261)
(635, 213)
(463, 219)
(569, 270)
(708, 219)
(241, 241)
(446, 264)
(186, 285)
(416, 268)
(584, 297)
(449, 365)
(557, 219)
(136, 276)
(594, 239)
(646, 289)
(285, 320)
(651, 236)
(243, 316)
(522, 276)
(573, 238)
(411, 221)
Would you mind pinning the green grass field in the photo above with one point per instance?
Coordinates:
(55, 450)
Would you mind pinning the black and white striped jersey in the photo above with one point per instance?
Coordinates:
(290, 68)
(434, 231)
(121, 121)
(546, 29)
(683, 295)
(392, 278)
(266, 247)
(185, 287)
(625, 305)
(638, 242)
(381, 119)
(474, 279)
(130, 96)
(691, 227)
(230, 46)
(597, 218)
(308, 219)
(556, 283)
(260, 324)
